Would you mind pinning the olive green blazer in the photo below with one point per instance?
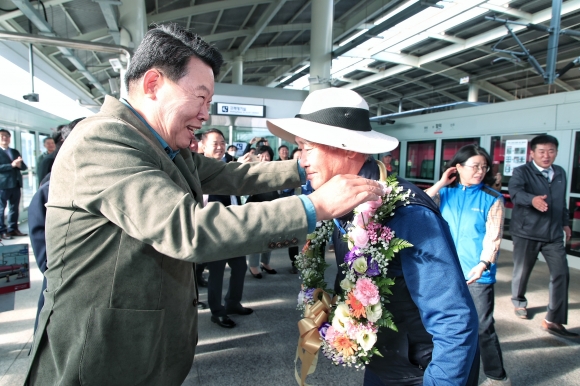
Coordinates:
(124, 225)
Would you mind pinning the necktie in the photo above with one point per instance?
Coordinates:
(9, 153)
(546, 174)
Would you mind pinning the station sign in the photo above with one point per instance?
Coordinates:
(241, 110)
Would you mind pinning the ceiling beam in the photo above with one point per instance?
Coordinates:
(201, 9)
(266, 53)
(262, 22)
(14, 14)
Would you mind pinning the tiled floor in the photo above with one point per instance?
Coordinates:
(261, 349)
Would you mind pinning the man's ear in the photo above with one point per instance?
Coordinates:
(152, 82)
(353, 155)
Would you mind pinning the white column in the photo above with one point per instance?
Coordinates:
(238, 70)
(321, 43)
(379, 111)
(473, 93)
(133, 18)
(133, 24)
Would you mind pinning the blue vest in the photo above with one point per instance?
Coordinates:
(465, 209)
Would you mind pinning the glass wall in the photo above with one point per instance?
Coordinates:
(243, 135)
(450, 148)
(497, 153)
(421, 160)
(573, 246)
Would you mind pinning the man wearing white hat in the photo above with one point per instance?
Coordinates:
(436, 342)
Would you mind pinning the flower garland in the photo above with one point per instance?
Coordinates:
(312, 265)
(349, 336)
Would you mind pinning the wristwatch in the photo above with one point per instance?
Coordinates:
(487, 264)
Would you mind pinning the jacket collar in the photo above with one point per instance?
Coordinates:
(114, 107)
(471, 188)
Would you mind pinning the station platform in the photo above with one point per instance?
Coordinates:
(261, 349)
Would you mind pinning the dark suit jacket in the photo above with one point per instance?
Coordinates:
(45, 166)
(528, 182)
(10, 177)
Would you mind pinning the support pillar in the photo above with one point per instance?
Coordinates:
(321, 43)
(401, 105)
(473, 93)
(379, 111)
(133, 24)
(238, 70)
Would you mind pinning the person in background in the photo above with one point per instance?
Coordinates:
(231, 153)
(50, 147)
(497, 182)
(265, 154)
(45, 167)
(387, 158)
(214, 145)
(37, 218)
(475, 214)
(199, 143)
(259, 141)
(538, 224)
(283, 153)
(199, 267)
(11, 167)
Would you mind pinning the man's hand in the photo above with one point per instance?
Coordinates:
(342, 193)
(17, 163)
(568, 232)
(539, 202)
(248, 157)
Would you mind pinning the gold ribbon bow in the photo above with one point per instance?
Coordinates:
(309, 341)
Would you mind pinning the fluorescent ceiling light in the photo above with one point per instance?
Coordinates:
(396, 11)
(356, 35)
(301, 69)
(286, 78)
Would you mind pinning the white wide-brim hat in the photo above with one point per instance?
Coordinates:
(335, 117)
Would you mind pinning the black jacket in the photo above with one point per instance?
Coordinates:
(528, 182)
(10, 177)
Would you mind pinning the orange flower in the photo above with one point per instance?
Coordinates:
(344, 345)
(305, 248)
(358, 310)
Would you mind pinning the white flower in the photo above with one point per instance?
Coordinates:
(374, 312)
(346, 284)
(360, 265)
(341, 317)
(366, 339)
(301, 297)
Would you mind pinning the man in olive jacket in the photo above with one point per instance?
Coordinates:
(125, 221)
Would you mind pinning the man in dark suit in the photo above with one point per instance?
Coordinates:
(214, 145)
(539, 222)
(11, 165)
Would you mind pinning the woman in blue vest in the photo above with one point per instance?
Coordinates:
(475, 214)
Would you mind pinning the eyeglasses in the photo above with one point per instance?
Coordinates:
(483, 168)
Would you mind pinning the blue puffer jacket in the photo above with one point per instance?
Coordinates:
(465, 209)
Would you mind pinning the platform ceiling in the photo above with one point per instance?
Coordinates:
(409, 50)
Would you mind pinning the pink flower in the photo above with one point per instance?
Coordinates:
(330, 334)
(366, 292)
(370, 207)
(359, 236)
(386, 234)
(388, 190)
(360, 220)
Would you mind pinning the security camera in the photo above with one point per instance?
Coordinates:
(116, 64)
(384, 121)
(32, 97)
